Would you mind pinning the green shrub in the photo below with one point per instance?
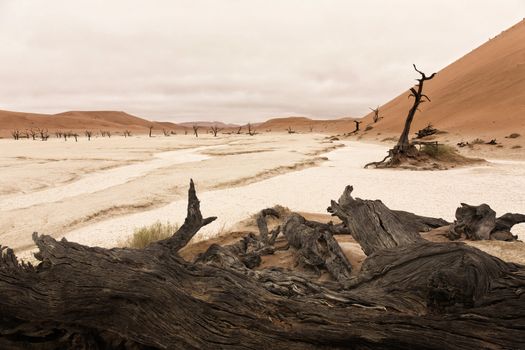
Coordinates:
(145, 235)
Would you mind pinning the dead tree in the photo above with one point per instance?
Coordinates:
(290, 130)
(251, 130)
(127, 133)
(356, 130)
(375, 117)
(58, 134)
(409, 293)
(75, 135)
(214, 129)
(196, 130)
(15, 134)
(33, 133)
(43, 134)
(404, 149)
(150, 129)
(426, 131)
(239, 130)
(311, 128)
(88, 134)
(166, 132)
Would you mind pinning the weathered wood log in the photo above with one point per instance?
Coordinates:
(316, 247)
(419, 223)
(372, 224)
(426, 131)
(263, 227)
(480, 223)
(507, 221)
(313, 245)
(416, 295)
(192, 224)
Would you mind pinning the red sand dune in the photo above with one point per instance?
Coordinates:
(207, 124)
(303, 124)
(482, 94)
(79, 121)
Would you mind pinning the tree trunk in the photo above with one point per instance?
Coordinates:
(373, 225)
(403, 144)
(416, 294)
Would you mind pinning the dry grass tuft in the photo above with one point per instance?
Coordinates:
(439, 152)
(514, 135)
(445, 154)
(145, 235)
(477, 141)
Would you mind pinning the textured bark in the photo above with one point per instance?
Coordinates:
(373, 225)
(316, 247)
(415, 294)
(419, 223)
(507, 221)
(480, 223)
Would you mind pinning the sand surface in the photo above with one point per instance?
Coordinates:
(236, 176)
(432, 193)
(58, 186)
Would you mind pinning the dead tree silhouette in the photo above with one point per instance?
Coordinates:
(214, 129)
(375, 117)
(404, 148)
(251, 130)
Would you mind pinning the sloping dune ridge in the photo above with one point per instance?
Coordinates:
(78, 121)
(481, 94)
(303, 124)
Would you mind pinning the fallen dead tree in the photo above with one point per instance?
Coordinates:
(426, 131)
(410, 293)
(480, 223)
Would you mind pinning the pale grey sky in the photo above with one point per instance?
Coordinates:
(231, 60)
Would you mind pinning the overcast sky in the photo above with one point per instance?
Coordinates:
(231, 60)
